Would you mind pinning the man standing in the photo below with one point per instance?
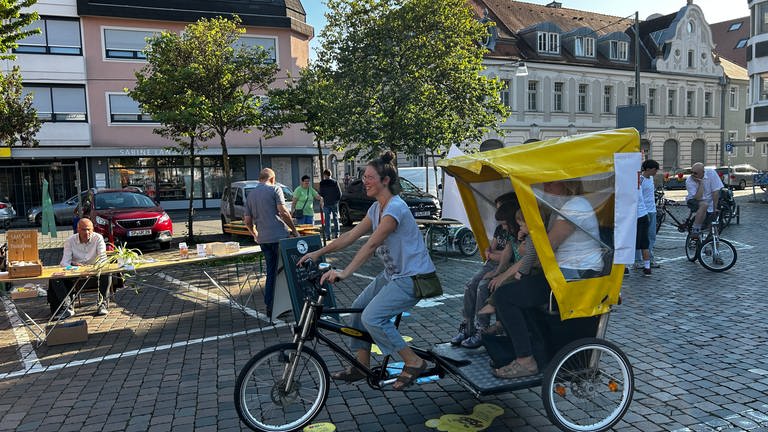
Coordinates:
(703, 188)
(330, 192)
(265, 207)
(84, 248)
(648, 193)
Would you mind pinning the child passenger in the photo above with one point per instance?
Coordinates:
(476, 289)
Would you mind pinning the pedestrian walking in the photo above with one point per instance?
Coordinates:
(330, 192)
(305, 194)
(648, 192)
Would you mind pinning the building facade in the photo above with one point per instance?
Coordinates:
(756, 114)
(581, 72)
(78, 69)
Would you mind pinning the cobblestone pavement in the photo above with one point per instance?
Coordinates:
(166, 357)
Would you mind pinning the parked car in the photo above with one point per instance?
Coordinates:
(7, 213)
(127, 216)
(676, 179)
(355, 202)
(425, 178)
(742, 175)
(238, 192)
(63, 212)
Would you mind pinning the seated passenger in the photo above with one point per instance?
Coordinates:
(476, 289)
(578, 254)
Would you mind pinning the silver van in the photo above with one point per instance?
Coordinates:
(238, 191)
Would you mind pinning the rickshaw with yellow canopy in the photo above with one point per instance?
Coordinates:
(588, 383)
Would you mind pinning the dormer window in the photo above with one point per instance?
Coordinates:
(549, 43)
(735, 26)
(584, 46)
(619, 50)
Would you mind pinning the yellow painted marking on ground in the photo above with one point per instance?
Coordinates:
(481, 418)
(320, 427)
(375, 349)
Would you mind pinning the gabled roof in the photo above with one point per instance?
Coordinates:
(733, 70)
(725, 40)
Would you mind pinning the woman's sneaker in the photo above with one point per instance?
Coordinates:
(460, 336)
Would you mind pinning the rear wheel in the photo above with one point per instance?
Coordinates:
(691, 244)
(726, 216)
(742, 184)
(261, 399)
(467, 243)
(344, 217)
(588, 386)
(164, 245)
(717, 256)
(39, 219)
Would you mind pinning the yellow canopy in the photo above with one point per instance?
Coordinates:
(538, 162)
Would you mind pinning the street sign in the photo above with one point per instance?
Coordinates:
(729, 147)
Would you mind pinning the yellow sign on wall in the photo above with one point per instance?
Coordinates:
(5, 152)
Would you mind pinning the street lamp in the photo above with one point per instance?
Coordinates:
(520, 68)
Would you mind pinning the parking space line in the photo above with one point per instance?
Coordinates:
(26, 350)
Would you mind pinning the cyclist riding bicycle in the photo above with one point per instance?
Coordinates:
(703, 186)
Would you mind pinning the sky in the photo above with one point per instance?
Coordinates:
(714, 10)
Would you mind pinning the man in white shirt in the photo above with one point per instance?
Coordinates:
(703, 187)
(84, 248)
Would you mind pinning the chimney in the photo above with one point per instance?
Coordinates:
(555, 5)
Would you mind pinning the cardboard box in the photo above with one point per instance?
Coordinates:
(67, 332)
(216, 248)
(22, 248)
(22, 293)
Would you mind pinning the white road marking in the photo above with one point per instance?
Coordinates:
(26, 350)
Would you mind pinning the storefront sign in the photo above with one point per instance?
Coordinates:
(146, 152)
(5, 152)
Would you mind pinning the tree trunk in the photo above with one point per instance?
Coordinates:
(227, 174)
(191, 215)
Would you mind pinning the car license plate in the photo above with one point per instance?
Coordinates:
(421, 213)
(139, 232)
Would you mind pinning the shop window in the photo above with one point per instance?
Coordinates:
(126, 44)
(58, 103)
(123, 109)
(57, 36)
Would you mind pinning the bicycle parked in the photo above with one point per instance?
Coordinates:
(713, 253)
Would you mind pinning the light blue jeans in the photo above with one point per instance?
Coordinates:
(382, 300)
(651, 238)
(331, 214)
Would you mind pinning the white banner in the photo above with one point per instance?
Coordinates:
(627, 185)
(453, 206)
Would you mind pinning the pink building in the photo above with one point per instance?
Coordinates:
(85, 58)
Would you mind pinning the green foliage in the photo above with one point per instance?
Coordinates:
(202, 83)
(13, 23)
(18, 118)
(403, 75)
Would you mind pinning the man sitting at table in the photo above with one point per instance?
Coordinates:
(84, 248)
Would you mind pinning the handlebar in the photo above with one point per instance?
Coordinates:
(310, 271)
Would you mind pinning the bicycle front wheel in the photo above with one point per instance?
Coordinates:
(691, 245)
(717, 256)
(588, 386)
(263, 400)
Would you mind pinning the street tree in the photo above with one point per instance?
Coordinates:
(220, 75)
(13, 25)
(161, 93)
(406, 76)
(18, 118)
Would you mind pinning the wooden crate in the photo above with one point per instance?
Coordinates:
(22, 246)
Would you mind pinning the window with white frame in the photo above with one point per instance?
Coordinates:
(671, 102)
(584, 46)
(266, 43)
(61, 103)
(619, 50)
(126, 44)
(583, 95)
(505, 94)
(533, 95)
(763, 86)
(733, 99)
(631, 96)
(57, 36)
(557, 103)
(651, 101)
(123, 109)
(690, 103)
(749, 150)
(707, 104)
(549, 43)
(607, 99)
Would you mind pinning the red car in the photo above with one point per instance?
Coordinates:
(127, 216)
